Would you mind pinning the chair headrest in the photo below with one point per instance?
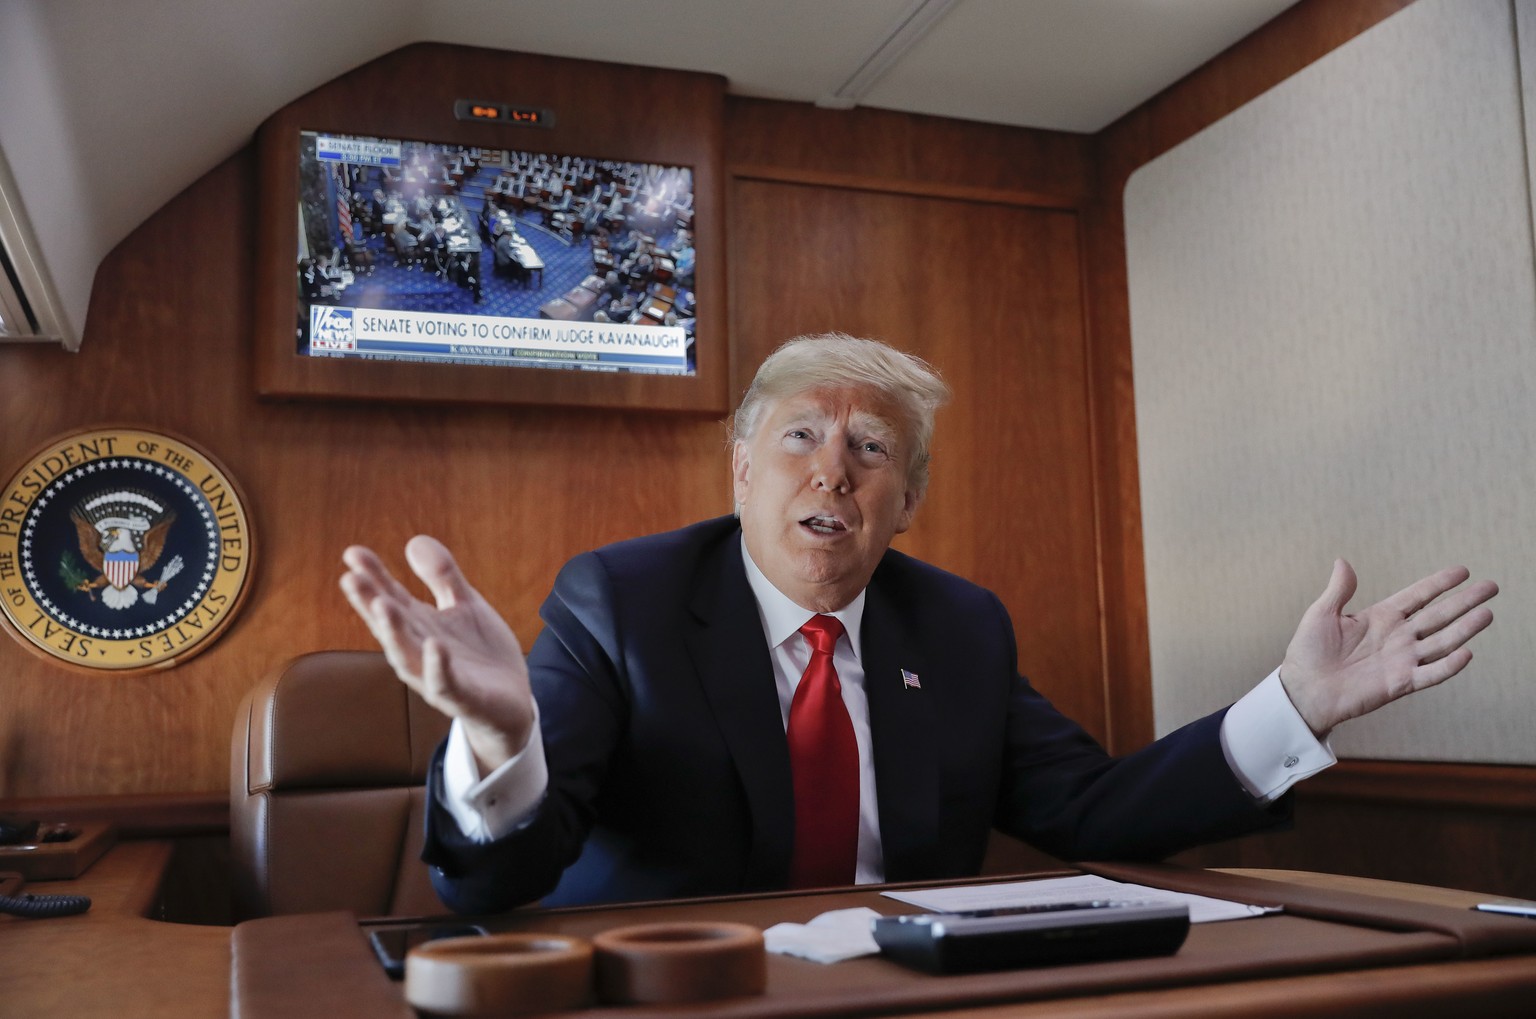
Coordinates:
(338, 718)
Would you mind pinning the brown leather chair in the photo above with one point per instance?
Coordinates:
(327, 789)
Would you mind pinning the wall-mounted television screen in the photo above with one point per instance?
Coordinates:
(424, 251)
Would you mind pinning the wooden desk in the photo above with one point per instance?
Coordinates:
(116, 961)
(113, 960)
(1390, 960)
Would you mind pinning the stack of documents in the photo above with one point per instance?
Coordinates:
(1078, 888)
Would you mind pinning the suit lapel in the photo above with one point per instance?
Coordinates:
(736, 673)
(901, 722)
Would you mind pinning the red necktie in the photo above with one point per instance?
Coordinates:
(825, 761)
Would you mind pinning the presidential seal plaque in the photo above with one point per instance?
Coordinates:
(121, 549)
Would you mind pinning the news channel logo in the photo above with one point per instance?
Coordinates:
(331, 329)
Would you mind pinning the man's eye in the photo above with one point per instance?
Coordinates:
(872, 448)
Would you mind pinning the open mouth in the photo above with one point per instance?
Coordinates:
(823, 524)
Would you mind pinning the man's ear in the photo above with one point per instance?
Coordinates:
(910, 500)
(740, 463)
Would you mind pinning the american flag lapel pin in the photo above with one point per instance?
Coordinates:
(909, 680)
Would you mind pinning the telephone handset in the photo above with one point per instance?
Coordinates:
(32, 833)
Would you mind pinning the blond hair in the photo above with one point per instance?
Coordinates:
(837, 360)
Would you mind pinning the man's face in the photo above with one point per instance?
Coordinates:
(822, 489)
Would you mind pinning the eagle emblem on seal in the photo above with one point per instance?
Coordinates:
(121, 534)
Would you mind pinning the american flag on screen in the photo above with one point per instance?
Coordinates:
(343, 205)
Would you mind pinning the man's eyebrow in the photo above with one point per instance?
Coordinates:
(809, 415)
(870, 424)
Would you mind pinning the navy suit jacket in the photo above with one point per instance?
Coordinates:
(669, 768)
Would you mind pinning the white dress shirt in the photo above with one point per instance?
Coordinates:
(1266, 743)
(791, 653)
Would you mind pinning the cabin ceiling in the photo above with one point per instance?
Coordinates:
(108, 108)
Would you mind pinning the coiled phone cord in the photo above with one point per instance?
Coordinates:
(41, 907)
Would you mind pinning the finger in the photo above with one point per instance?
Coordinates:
(387, 618)
(1340, 589)
(1452, 607)
(401, 644)
(1420, 593)
(367, 600)
(435, 565)
(360, 594)
(364, 562)
(1447, 640)
(1434, 673)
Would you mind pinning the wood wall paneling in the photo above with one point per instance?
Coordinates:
(1112, 403)
(959, 242)
(882, 150)
(1456, 826)
(989, 294)
(518, 490)
(515, 491)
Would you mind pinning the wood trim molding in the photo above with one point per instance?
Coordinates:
(906, 153)
(1126, 649)
(1497, 787)
(896, 186)
(1437, 785)
(137, 816)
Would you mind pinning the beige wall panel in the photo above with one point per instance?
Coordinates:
(1333, 312)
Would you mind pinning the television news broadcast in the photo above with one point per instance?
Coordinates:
(421, 251)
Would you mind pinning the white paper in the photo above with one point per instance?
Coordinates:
(1081, 888)
(831, 937)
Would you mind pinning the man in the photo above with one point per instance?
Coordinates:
(434, 250)
(779, 699)
(489, 214)
(508, 259)
(377, 207)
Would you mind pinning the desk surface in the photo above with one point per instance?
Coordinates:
(116, 961)
(113, 960)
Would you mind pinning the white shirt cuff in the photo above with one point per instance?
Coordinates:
(488, 808)
(1267, 744)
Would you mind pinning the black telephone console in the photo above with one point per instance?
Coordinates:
(35, 907)
(21, 833)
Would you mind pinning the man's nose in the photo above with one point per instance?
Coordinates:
(830, 470)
